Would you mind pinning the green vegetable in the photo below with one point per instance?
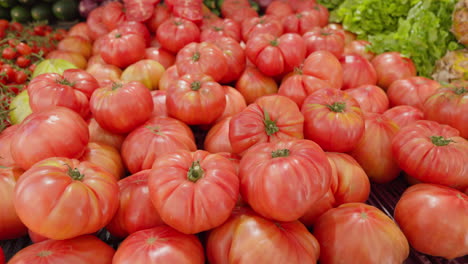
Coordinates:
(330, 4)
(424, 35)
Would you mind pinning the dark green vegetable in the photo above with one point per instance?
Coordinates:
(330, 4)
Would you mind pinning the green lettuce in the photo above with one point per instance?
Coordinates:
(330, 4)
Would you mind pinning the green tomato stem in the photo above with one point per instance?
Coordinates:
(195, 172)
(280, 153)
(440, 141)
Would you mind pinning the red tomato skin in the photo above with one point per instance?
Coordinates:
(95, 23)
(357, 71)
(238, 11)
(377, 231)
(235, 58)
(422, 213)
(217, 139)
(249, 238)
(417, 152)
(175, 33)
(359, 47)
(404, 115)
(139, 10)
(160, 244)
(120, 108)
(159, 102)
(166, 58)
(134, 27)
(80, 250)
(222, 28)
(392, 66)
(324, 65)
(196, 99)
(333, 119)
(105, 156)
(255, 26)
(321, 206)
(123, 49)
(371, 98)
(76, 44)
(6, 136)
(160, 14)
(301, 23)
(136, 212)
(280, 9)
(374, 150)
(253, 84)
(168, 78)
(80, 29)
(412, 91)
(262, 173)
(75, 58)
(51, 215)
(11, 226)
(158, 136)
(33, 142)
(235, 103)
(113, 14)
(324, 39)
(214, 195)
(248, 128)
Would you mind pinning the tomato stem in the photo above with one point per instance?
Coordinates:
(216, 28)
(298, 70)
(74, 173)
(116, 86)
(337, 107)
(196, 56)
(196, 85)
(195, 172)
(44, 253)
(460, 90)
(280, 153)
(274, 43)
(270, 125)
(65, 82)
(155, 130)
(118, 35)
(441, 141)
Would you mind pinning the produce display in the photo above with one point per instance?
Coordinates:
(236, 131)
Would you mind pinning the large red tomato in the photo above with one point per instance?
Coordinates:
(104, 73)
(76, 44)
(202, 58)
(392, 66)
(379, 238)
(222, 28)
(302, 22)
(147, 72)
(80, 29)
(270, 119)
(264, 169)
(357, 71)
(161, 244)
(249, 238)
(324, 39)
(95, 22)
(193, 191)
(333, 119)
(80, 250)
(121, 48)
(105, 156)
(374, 150)
(449, 105)
(324, 65)
(276, 55)
(113, 14)
(57, 132)
(133, 27)
(159, 102)
(158, 136)
(11, 226)
(235, 58)
(318, 208)
(217, 138)
(139, 10)
(61, 198)
(169, 77)
(404, 115)
(75, 58)
(99, 135)
(253, 84)
(359, 47)
(160, 14)
(432, 153)
(371, 98)
(190, 10)
(238, 10)
(235, 102)
(429, 214)
(6, 137)
(255, 26)
(412, 91)
(196, 99)
(120, 108)
(280, 9)
(175, 33)
(136, 211)
(161, 55)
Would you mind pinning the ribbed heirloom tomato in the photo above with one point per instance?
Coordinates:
(174, 33)
(253, 84)
(234, 55)
(371, 98)
(11, 226)
(412, 91)
(105, 156)
(317, 38)
(217, 138)
(121, 48)
(148, 72)
(404, 115)
(5, 142)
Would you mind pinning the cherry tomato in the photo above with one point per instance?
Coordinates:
(23, 48)
(23, 61)
(4, 24)
(16, 26)
(20, 77)
(9, 53)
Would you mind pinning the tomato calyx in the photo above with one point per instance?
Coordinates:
(155, 130)
(460, 90)
(195, 86)
(74, 173)
(116, 86)
(299, 15)
(298, 70)
(65, 82)
(280, 153)
(44, 253)
(274, 43)
(270, 125)
(440, 141)
(118, 35)
(364, 215)
(196, 56)
(217, 29)
(337, 107)
(178, 23)
(195, 172)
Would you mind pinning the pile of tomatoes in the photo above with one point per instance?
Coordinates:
(299, 118)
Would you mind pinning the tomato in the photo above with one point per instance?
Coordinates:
(160, 14)
(404, 115)
(147, 72)
(159, 102)
(133, 27)
(7, 73)
(222, 28)
(95, 22)
(324, 39)
(136, 211)
(120, 108)
(449, 105)
(370, 97)
(33, 142)
(164, 57)
(105, 156)
(105, 72)
(337, 229)
(76, 59)
(359, 47)
(23, 61)
(235, 58)
(99, 135)
(190, 10)
(139, 10)
(160, 244)
(11, 226)
(80, 250)
(333, 119)
(270, 119)
(412, 91)
(374, 150)
(80, 29)
(428, 213)
(158, 136)
(256, 26)
(237, 10)
(175, 33)
(276, 55)
(122, 49)
(195, 99)
(76, 44)
(280, 9)
(428, 151)
(210, 180)
(202, 58)
(35, 237)
(217, 138)
(338, 28)
(235, 103)
(318, 208)
(51, 89)
(6, 137)
(19, 108)
(253, 84)
(249, 238)
(325, 66)
(52, 66)
(51, 215)
(357, 71)
(392, 66)
(113, 14)
(9, 53)
(302, 22)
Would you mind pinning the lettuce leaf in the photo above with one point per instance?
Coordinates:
(330, 4)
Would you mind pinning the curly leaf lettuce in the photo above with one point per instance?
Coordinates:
(330, 4)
